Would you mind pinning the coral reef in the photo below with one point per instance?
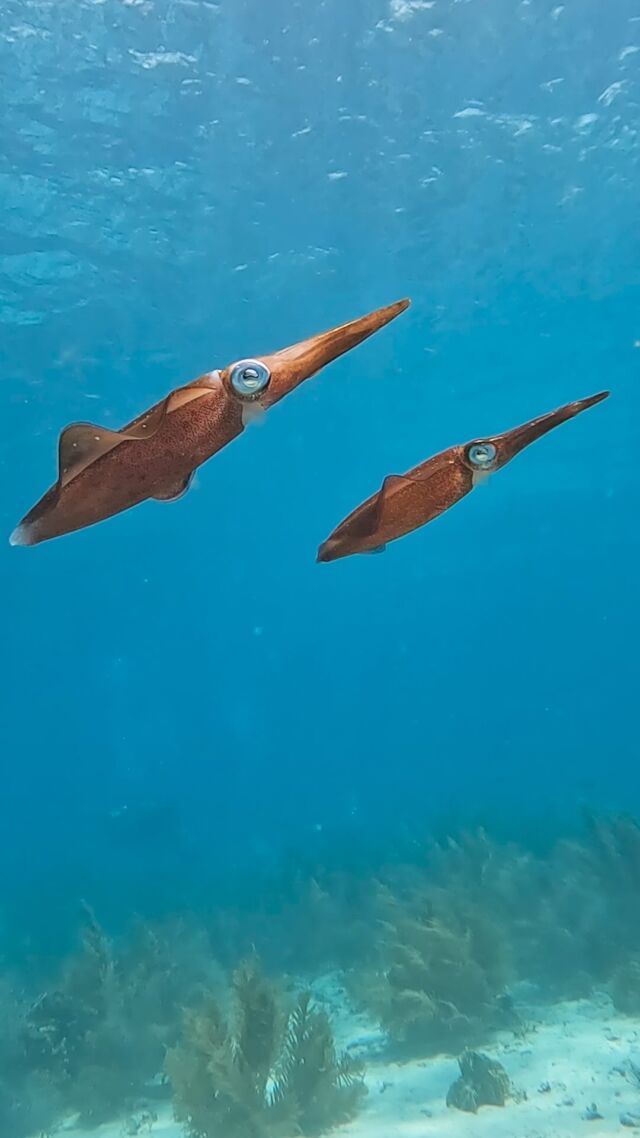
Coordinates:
(260, 1071)
(433, 948)
(476, 916)
(482, 1082)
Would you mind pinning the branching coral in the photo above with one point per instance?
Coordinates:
(80, 1034)
(100, 1034)
(571, 917)
(28, 1100)
(582, 921)
(606, 870)
(439, 974)
(261, 1071)
(565, 917)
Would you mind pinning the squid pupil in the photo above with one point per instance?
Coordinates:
(482, 454)
(249, 378)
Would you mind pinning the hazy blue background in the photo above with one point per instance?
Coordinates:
(186, 183)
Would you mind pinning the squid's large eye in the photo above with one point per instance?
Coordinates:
(249, 378)
(482, 455)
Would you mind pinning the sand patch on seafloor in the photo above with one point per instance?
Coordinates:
(572, 1055)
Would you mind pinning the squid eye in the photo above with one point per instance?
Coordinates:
(482, 455)
(249, 378)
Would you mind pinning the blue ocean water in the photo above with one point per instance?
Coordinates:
(188, 696)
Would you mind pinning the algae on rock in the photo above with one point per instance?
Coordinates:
(482, 1082)
(261, 1071)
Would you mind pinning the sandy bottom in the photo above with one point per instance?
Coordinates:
(572, 1063)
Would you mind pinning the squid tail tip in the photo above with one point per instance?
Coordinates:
(22, 535)
(597, 398)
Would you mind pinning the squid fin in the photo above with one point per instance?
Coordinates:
(369, 516)
(150, 421)
(80, 445)
(187, 394)
(174, 490)
(376, 549)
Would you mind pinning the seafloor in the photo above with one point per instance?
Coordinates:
(575, 1070)
(522, 968)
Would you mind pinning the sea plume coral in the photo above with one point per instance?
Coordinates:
(439, 973)
(260, 1070)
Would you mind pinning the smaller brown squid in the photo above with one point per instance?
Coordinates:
(405, 502)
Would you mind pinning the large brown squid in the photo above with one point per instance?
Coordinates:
(407, 501)
(102, 472)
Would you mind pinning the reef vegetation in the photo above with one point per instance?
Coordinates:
(91, 1044)
(437, 971)
(175, 1014)
(263, 1070)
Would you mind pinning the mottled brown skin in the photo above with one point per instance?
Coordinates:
(405, 502)
(102, 473)
(137, 469)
